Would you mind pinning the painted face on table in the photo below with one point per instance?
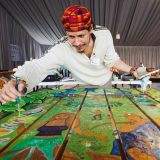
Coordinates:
(79, 40)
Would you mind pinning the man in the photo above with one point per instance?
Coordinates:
(87, 53)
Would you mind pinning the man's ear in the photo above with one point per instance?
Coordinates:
(66, 33)
(91, 28)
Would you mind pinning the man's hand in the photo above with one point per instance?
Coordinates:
(9, 91)
(134, 72)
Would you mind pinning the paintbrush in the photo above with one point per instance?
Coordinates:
(148, 74)
(18, 98)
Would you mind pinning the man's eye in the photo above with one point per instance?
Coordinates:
(81, 36)
(71, 37)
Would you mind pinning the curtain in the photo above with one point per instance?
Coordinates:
(137, 21)
(133, 55)
(35, 25)
(12, 33)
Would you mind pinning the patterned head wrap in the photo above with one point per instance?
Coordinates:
(76, 18)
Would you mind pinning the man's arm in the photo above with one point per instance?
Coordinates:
(120, 65)
(32, 73)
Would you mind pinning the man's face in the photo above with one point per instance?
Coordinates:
(80, 40)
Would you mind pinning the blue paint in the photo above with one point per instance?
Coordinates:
(145, 137)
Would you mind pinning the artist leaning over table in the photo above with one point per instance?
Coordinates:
(87, 52)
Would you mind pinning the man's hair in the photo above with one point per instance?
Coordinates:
(76, 18)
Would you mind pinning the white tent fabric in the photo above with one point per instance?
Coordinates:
(137, 21)
(133, 55)
(11, 32)
(34, 25)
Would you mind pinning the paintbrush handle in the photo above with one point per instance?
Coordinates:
(148, 74)
(17, 81)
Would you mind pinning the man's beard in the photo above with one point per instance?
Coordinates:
(79, 50)
(82, 51)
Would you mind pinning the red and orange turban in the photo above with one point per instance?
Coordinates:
(76, 18)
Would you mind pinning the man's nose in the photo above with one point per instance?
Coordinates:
(77, 42)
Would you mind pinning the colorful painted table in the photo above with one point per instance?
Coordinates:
(78, 123)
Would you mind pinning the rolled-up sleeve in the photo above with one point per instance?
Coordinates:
(111, 56)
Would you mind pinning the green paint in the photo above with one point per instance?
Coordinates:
(46, 145)
(154, 93)
(24, 119)
(92, 134)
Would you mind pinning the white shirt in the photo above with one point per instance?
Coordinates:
(77, 63)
